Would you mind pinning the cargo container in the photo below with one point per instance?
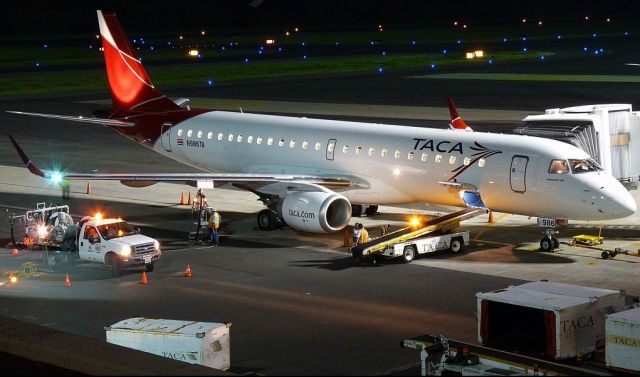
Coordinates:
(546, 319)
(204, 343)
(623, 341)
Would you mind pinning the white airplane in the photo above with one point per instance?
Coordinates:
(310, 172)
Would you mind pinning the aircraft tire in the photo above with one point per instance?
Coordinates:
(267, 219)
(546, 245)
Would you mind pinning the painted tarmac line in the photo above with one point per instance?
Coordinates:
(531, 77)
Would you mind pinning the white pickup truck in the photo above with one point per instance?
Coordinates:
(110, 241)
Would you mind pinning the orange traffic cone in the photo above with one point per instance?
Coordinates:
(144, 280)
(14, 251)
(89, 189)
(491, 221)
(187, 273)
(183, 201)
(67, 282)
(347, 239)
(189, 201)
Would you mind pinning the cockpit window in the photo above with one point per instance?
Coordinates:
(583, 166)
(559, 167)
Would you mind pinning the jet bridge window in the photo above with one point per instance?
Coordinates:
(559, 167)
(583, 166)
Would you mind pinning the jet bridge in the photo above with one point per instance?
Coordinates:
(439, 224)
(607, 132)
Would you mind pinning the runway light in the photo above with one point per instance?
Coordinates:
(202, 32)
(455, 23)
(37, 64)
(586, 18)
(479, 53)
(539, 23)
(524, 20)
(608, 19)
(270, 41)
(470, 55)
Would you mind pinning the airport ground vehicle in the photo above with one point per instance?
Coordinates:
(431, 236)
(110, 241)
(409, 250)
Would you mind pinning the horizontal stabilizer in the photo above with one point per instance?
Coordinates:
(80, 118)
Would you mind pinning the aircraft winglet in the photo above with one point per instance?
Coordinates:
(30, 165)
(456, 122)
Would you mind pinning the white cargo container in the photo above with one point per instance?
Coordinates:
(202, 343)
(623, 340)
(541, 318)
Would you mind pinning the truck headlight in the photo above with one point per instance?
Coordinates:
(156, 245)
(126, 250)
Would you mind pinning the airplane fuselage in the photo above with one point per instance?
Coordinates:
(398, 164)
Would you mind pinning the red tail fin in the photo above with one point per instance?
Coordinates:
(456, 122)
(130, 85)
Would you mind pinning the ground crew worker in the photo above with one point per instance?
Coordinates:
(214, 224)
(356, 234)
(364, 234)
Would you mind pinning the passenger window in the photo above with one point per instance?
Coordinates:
(318, 145)
(438, 158)
(481, 162)
(384, 153)
(199, 134)
(305, 144)
(467, 161)
(345, 149)
(292, 143)
(452, 160)
(372, 151)
(559, 167)
(220, 136)
(230, 137)
(424, 157)
(249, 139)
(270, 141)
(259, 140)
(281, 142)
(410, 156)
(239, 138)
(358, 150)
(180, 132)
(189, 133)
(210, 135)
(397, 154)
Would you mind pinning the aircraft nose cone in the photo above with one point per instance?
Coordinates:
(626, 204)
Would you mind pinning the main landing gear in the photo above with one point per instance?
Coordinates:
(359, 210)
(268, 219)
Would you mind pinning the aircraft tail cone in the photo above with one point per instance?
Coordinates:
(67, 281)
(143, 279)
(187, 273)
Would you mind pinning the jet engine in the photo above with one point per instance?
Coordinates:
(318, 212)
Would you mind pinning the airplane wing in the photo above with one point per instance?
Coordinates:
(80, 118)
(269, 183)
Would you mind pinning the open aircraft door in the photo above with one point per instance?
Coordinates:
(518, 173)
(166, 136)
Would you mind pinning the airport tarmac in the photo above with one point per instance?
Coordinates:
(298, 303)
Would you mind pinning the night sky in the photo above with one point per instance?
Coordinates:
(38, 17)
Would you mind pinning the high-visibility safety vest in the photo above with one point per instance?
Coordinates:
(214, 220)
(364, 236)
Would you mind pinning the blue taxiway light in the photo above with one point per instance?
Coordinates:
(45, 45)
(433, 66)
(594, 35)
(524, 49)
(413, 43)
(246, 60)
(380, 69)
(504, 39)
(558, 36)
(459, 41)
(626, 33)
(584, 49)
(444, 51)
(490, 61)
(210, 82)
(304, 57)
(384, 53)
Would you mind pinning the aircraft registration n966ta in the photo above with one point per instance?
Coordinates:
(309, 172)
